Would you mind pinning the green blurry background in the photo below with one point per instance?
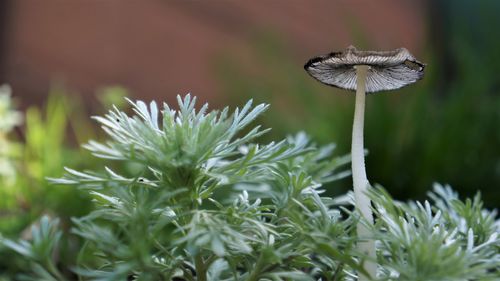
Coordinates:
(444, 129)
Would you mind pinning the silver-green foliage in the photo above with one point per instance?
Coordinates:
(446, 240)
(39, 250)
(207, 203)
(204, 202)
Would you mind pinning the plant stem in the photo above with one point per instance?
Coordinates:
(254, 275)
(360, 181)
(200, 267)
(54, 271)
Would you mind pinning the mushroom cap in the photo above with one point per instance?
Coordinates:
(388, 70)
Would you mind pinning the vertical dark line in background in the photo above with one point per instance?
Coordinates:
(5, 6)
(439, 33)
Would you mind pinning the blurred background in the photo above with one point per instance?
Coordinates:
(67, 60)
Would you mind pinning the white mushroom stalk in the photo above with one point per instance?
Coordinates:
(360, 181)
(365, 72)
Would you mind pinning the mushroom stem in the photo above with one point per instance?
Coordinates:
(360, 181)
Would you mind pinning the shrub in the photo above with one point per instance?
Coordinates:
(203, 201)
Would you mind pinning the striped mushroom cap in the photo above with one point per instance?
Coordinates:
(388, 70)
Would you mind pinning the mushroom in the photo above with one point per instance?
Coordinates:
(364, 72)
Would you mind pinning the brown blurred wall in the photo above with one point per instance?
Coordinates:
(162, 48)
